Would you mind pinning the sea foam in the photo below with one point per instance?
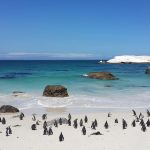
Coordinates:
(122, 99)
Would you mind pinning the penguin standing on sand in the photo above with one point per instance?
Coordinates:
(75, 124)
(134, 112)
(133, 123)
(7, 132)
(109, 114)
(21, 116)
(33, 126)
(33, 117)
(124, 124)
(142, 122)
(85, 119)
(148, 123)
(44, 124)
(81, 123)
(61, 137)
(116, 120)
(69, 116)
(93, 126)
(84, 130)
(50, 131)
(45, 132)
(37, 122)
(143, 128)
(137, 119)
(106, 125)
(44, 116)
(3, 120)
(60, 121)
(141, 116)
(0, 119)
(69, 122)
(55, 123)
(95, 122)
(148, 113)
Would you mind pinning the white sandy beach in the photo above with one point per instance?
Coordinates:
(113, 138)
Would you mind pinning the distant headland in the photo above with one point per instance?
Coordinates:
(127, 59)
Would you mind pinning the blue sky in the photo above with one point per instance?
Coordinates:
(73, 29)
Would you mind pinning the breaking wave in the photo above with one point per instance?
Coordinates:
(114, 100)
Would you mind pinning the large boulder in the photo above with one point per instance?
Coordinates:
(147, 70)
(8, 109)
(55, 91)
(102, 76)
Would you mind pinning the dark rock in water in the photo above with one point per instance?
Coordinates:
(12, 75)
(102, 76)
(8, 109)
(7, 77)
(17, 92)
(62, 70)
(55, 91)
(108, 85)
(147, 70)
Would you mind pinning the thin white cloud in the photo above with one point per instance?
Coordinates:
(23, 53)
(18, 55)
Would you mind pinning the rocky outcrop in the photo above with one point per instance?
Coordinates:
(8, 109)
(147, 70)
(101, 76)
(129, 59)
(55, 91)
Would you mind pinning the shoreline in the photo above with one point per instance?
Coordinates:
(76, 103)
(77, 111)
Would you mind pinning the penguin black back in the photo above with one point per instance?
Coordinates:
(116, 120)
(69, 116)
(106, 125)
(134, 113)
(69, 122)
(50, 131)
(85, 119)
(3, 120)
(33, 126)
(44, 116)
(148, 113)
(84, 130)
(60, 121)
(61, 137)
(81, 123)
(124, 124)
(95, 122)
(133, 123)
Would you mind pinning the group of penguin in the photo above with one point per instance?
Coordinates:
(140, 119)
(94, 124)
(48, 131)
(8, 129)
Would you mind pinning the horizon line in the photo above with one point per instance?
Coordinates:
(47, 59)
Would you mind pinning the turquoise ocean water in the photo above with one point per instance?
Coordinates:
(131, 90)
